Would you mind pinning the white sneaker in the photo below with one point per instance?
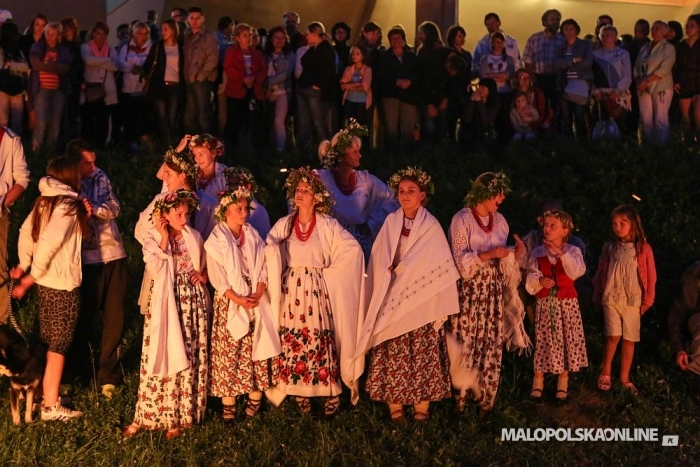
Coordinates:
(59, 412)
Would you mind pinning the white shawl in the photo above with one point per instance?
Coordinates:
(224, 264)
(343, 274)
(424, 288)
(166, 351)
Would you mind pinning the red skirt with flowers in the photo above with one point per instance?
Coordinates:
(309, 364)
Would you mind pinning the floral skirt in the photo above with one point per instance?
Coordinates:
(178, 400)
(233, 371)
(309, 364)
(559, 341)
(478, 327)
(410, 368)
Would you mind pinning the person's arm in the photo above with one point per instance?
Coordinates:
(650, 292)
(232, 66)
(54, 235)
(101, 63)
(533, 282)
(151, 58)
(572, 261)
(683, 307)
(124, 64)
(259, 69)
(211, 60)
(106, 206)
(665, 65)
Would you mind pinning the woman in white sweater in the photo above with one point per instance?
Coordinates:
(49, 244)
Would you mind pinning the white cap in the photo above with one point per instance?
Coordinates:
(5, 15)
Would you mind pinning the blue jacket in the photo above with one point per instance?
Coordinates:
(61, 67)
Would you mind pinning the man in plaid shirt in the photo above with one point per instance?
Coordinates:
(541, 50)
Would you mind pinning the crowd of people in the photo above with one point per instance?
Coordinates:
(294, 89)
(359, 278)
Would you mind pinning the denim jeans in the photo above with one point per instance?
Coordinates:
(279, 117)
(12, 111)
(312, 115)
(399, 122)
(653, 111)
(198, 108)
(48, 107)
(167, 111)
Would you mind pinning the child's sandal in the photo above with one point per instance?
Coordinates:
(228, 413)
(252, 406)
(537, 387)
(131, 430)
(631, 388)
(604, 383)
(562, 396)
(398, 417)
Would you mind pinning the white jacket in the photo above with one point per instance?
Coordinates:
(55, 257)
(13, 165)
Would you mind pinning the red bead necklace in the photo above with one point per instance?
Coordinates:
(486, 228)
(350, 187)
(241, 239)
(304, 236)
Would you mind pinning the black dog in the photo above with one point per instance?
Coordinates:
(24, 363)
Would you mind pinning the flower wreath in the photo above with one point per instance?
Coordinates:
(329, 152)
(240, 176)
(227, 198)
(564, 217)
(415, 173)
(480, 192)
(174, 199)
(208, 141)
(322, 197)
(183, 161)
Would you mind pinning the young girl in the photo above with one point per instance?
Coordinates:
(408, 363)
(49, 243)
(244, 332)
(522, 117)
(257, 214)
(173, 375)
(560, 346)
(625, 286)
(356, 84)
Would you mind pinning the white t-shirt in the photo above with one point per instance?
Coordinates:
(172, 63)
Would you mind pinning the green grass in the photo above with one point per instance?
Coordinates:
(591, 179)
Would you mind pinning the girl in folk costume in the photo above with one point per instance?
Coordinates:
(257, 215)
(560, 346)
(411, 291)
(315, 273)
(625, 287)
(49, 244)
(244, 333)
(362, 201)
(173, 375)
(491, 312)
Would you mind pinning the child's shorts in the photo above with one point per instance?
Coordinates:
(621, 320)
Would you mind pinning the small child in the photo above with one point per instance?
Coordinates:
(625, 287)
(560, 346)
(522, 117)
(172, 391)
(245, 338)
(356, 84)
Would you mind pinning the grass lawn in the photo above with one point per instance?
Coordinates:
(590, 178)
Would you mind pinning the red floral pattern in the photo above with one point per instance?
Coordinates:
(233, 372)
(309, 363)
(565, 348)
(411, 368)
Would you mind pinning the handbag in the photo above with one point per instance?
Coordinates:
(11, 82)
(576, 91)
(95, 92)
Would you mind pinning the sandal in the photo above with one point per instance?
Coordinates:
(460, 402)
(304, 404)
(562, 388)
(252, 406)
(172, 433)
(631, 388)
(604, 383)
(421, 417)
(229, 412)
(131, 430)
(398, 417)
(537, 387)
(331, 406)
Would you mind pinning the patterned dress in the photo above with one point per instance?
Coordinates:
(479, 325)
(412, 367)
(309, 364)
(178, 400)
(560, 344)
(233, 371)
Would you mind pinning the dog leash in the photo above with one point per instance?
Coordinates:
(11, 314)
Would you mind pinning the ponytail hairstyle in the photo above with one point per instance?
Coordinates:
(65, 170)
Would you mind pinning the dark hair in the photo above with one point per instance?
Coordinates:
(676, 27)
(548, 12)
(371, 26)
(9, 42)
(36, 17)
(570, 22)
(491, 15)
(195, 9)
(695, 17)
(340, 25)
(75, 148)
(456, 63)
(637, 231)
(180, 11)
(100, 26)
(189, 180)
(224, 22)
(65, 170)
(645, 24)
(452, 33)
(608, 17)
(516, 95)
(174, 25)
(269, 49)
(316, 27)
(548, 204)
(151, 15)
(432, 35)
(71, 22)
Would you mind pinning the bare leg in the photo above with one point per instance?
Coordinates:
(52, 377)
(626, 363)
(610, 349)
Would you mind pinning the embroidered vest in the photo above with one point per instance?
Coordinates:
(564, 282)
